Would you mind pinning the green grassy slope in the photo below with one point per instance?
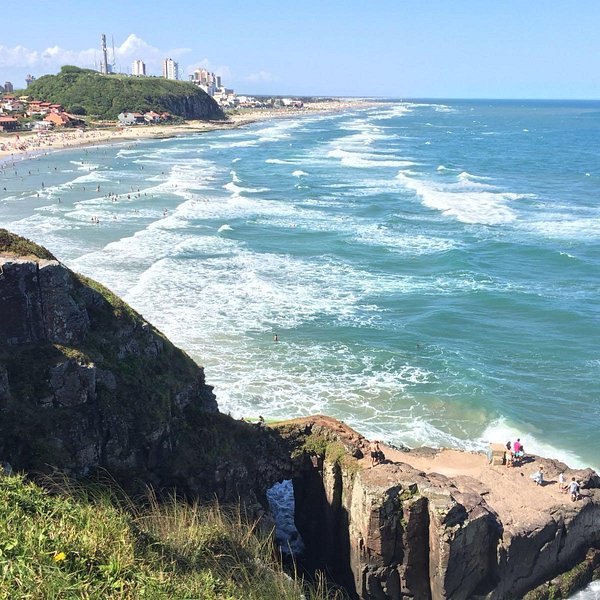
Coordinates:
(94, 543)
(87, 92)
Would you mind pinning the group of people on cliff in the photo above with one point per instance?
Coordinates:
(514, 453)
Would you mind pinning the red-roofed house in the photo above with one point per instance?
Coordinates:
(152, 117)
(59, 119)
(8, 123)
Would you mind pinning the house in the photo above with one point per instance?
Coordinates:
(152, 117)
(62, 119)
(8, 123)
(56, 108)
(131, 118)
(43, 126)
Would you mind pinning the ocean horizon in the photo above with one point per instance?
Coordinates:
(430, 267)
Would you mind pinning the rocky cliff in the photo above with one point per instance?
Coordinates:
(86, 384)
(439, 524)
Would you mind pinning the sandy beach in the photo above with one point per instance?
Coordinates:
(21, 144)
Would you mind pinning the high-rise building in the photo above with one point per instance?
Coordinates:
(29, 79)
(170, 69)
(8, 87)
(138, 68)
(206, 81)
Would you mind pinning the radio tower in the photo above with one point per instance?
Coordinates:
(104, 62)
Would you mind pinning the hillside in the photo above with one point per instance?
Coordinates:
(86, 384)
(87, 92)
(93, 542)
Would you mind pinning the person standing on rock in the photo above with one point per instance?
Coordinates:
(508, 455)
(562, 483)
(574, 489)
(375, 452)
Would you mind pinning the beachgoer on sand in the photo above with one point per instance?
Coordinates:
(574, 489)
(538, 476)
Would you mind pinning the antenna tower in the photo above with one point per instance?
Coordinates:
(104, 63)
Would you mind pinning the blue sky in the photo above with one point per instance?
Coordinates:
(422, 48)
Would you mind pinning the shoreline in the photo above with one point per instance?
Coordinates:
(22, 146)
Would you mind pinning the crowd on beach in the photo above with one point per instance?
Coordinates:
(514, 456)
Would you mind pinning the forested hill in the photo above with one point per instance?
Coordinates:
(86, 92)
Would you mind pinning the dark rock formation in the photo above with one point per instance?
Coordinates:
(86, 384)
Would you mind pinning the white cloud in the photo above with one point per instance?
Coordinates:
(260, 77)
(55, 56)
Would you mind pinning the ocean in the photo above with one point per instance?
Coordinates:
(430, 268)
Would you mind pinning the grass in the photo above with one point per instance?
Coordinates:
(14, 244)
(95, 543)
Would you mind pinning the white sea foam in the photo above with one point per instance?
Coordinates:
(591, 592)
(280, 161)
(281, 502)
(237, 190)
(299, 173)
(468, 204)
(225, 228)
(565, 226)
(366, 159)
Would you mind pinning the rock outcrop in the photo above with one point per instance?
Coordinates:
(87, 385)
(402, 530)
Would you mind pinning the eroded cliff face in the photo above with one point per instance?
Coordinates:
(86, 384)
(394, 531)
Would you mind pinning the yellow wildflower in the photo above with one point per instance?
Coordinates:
(60, 556)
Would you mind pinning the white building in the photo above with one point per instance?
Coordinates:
(205, 80)
(138, 68)
(170, 69)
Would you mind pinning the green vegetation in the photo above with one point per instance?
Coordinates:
(86, 92)
(94, 543)
(566, 584)
(14, 244)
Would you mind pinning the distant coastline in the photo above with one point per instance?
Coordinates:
(22, 145)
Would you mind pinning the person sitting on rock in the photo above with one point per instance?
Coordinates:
(574, 489)
(538, 476)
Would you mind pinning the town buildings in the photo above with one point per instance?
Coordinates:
(170, 69)
(138, 68)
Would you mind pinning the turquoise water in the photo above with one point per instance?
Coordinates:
(431, 269)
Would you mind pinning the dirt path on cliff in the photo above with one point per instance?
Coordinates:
(509, 491)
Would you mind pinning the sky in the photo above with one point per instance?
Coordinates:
(387, 48)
